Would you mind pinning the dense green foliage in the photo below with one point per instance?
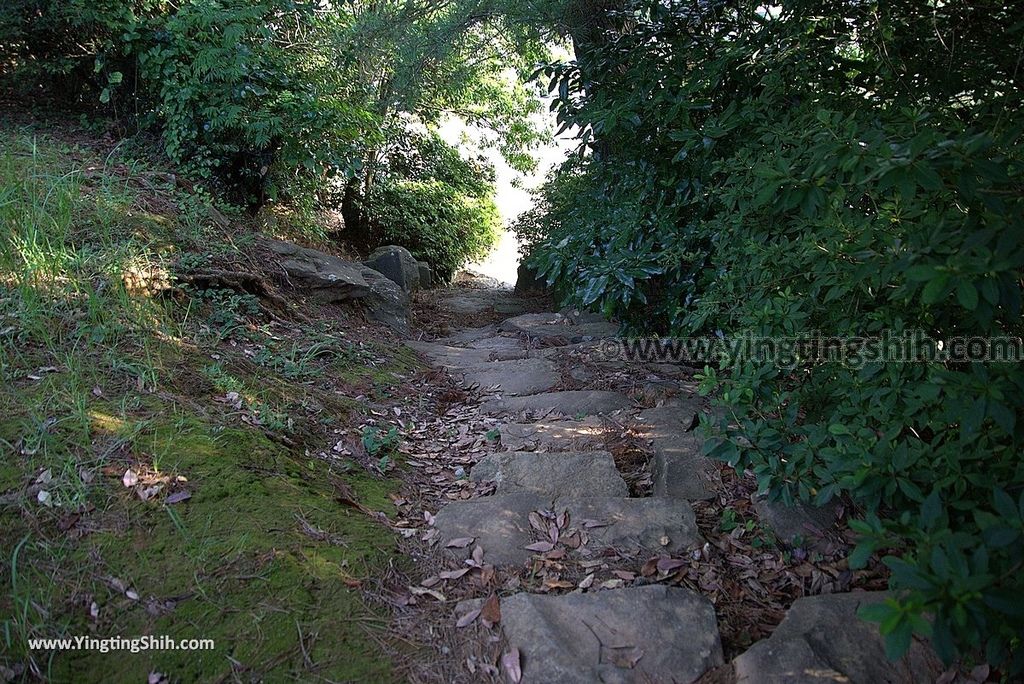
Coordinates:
(835, 168)
(298, 100)
(429, 199)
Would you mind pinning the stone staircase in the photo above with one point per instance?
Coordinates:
(556, 487)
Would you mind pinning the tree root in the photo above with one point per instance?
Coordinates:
(243, 281)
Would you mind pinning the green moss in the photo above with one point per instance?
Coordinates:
(260, 553)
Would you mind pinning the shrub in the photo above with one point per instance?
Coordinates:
(431, 201)
(813, 168)
(231, 91)
(433, 221)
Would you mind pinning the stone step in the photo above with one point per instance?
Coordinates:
(500, 343)
(500, 525)
(516, 377)
(680, 469)
(467, 336)
(450, 357)
(576, 403)
(547, 326)
(552, 435)
(553, 475)
(821, 639)
(640, 634)
(480, 300)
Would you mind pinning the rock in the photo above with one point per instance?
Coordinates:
(386, 303)
(640, 634)
(552, 474)
(426, 275)
(473, 302)
(515, 378)
(561, 435)
(799, 522)
(458, 358)
(468, 278)
(397, 264)
(469, 335)
(500, 524)
(572, 403)
(528, 283)
(821, 639)
(680, 469)
(653, 524)
(574, 328)
(499, 343)
(332, 280)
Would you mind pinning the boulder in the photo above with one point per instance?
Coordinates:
(528, 282)
(332, 280)
(426, 275)
(821, 639)
(397, 264)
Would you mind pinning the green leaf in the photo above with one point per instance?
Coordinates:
(105, 96)
(967, 295)
(935, 289)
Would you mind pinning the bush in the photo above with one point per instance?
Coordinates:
(232, 93)
(818, 168)
(431, 201)
(433, 221)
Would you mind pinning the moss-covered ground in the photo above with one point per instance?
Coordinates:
(168, 464)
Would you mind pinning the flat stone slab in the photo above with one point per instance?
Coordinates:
(450, 357)
(552, 435)
(464, 338)
(651, 523)
(500, 524)
(572, 403)
(551, 474)
(515, 378)
(680, 469)
(498, 343)
(821, 639)
(640, 634)
(551, 325)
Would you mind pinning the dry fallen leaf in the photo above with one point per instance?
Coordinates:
(424, 591)
(541, 546)
(490, 612)
(510, 661)
(130, 478)
(178, 497)
(460, 543)
(468, 618)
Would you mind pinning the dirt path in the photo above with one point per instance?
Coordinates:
(571, 511)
